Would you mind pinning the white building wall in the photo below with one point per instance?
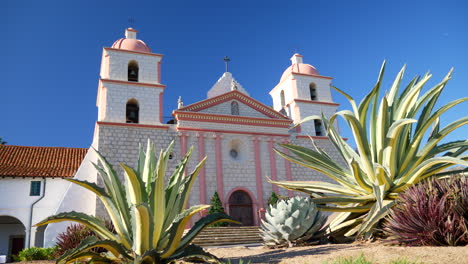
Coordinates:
(117, 96)
(115, 66)
(322, 88)
(74, 198)
(310, 109)
(16, 201)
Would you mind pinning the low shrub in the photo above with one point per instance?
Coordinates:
(216, 207)
(432, 213)
(36, 253)
(74, 235)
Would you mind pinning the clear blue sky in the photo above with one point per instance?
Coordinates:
(51, 52)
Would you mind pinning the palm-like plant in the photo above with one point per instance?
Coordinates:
(149, 219)
(391, 153)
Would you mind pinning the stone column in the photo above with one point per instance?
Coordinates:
(287, 167)
(258, 172)
(274, 176)
(202, 175)
(219, 166)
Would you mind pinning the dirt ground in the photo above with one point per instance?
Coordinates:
(320, 254)
(378, 253)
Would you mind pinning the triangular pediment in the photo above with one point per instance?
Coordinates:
(222, 104)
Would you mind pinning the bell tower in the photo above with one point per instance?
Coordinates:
(130, 89)
(303, 92)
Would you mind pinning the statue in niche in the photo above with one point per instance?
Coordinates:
(180, 104)
(233, 85)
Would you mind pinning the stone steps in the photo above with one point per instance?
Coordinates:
(221, 236)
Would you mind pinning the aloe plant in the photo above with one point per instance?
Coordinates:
(398, 144)
(149, 219)
(292, 221)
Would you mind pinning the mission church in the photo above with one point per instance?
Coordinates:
(236, 132)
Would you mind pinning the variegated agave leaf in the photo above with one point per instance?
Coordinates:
(398, 143)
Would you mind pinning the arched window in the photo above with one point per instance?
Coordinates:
(234, 108)
(133, 71)
(318, 127)
(283, 101)
(132, 111)
(313, 91)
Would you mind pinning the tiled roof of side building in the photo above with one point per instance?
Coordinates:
(23, 161)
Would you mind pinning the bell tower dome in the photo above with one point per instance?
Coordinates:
(303, 92)
(130, 89)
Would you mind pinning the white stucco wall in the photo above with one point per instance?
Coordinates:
(114, 66)
(112, 104)
(74, 198)
(15, 201)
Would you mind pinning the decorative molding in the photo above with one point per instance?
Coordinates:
(229, 119)
(152, 85)
(229, 132)
(135, 52)
(131, 125)
(312, 102)
(233, 95)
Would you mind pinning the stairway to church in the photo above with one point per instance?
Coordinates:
(232, 235)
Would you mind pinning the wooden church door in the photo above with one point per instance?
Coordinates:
(240, 208)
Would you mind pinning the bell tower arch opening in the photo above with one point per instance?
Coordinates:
(133, 71)
(132, 111)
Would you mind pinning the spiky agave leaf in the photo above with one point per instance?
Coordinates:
(391, 155)
(292, 221)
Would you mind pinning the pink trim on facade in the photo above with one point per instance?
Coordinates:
(273, 164)
(131, 125)
(234, 95)
(312, 75)
(313, 102)
(255, 207)
(134, 83)
(228, 119)
(202, 175)
(135, 52)
(161, 107)
(219, 165)
(258, 172)
(230, 132)
(296, 114)
(159, 71)
(183, 144)
(287, 167)
(314, 137)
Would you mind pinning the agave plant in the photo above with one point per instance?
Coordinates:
(398, 144)
(149, 219)
(291, 221)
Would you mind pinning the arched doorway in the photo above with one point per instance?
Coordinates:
(12, 236)
(241, 208)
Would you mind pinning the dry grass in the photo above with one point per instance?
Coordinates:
(375, 252)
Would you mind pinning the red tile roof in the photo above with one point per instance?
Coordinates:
(21, 161)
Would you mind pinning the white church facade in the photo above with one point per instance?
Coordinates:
(236, 132)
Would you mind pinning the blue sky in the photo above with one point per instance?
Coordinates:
(52, 52)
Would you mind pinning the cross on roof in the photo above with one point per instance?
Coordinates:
(226, 60)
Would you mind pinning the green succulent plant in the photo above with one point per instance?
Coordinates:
(290, 221)
(149, 219)
(398, 144)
